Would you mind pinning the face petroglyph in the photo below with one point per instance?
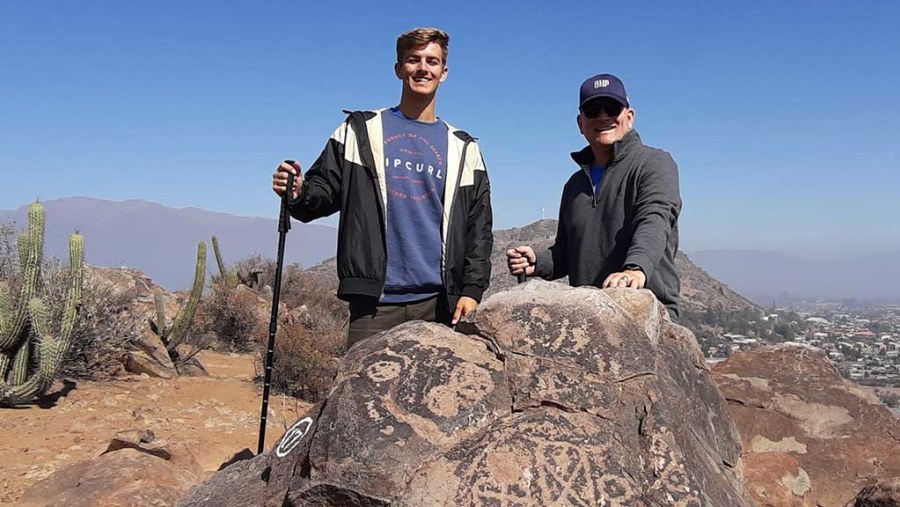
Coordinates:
(467, 385)
(452, 385)
(383, 371)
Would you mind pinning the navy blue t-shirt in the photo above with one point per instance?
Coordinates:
(415, 159)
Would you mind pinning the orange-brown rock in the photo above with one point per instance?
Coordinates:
(552, 396)
(140, 440)
(149, 355)
(125, 477)
(810, 437)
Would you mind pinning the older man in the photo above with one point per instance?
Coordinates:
(618, 218)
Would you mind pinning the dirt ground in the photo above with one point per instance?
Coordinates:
(205, 420)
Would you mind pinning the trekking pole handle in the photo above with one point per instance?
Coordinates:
(284, 218)
(523, 276)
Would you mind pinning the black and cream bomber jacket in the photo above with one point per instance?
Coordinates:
(349, 177)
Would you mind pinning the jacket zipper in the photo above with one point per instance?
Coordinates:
(587, 171)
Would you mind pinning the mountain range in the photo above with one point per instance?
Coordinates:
(162, 241)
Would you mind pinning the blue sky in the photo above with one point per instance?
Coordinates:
(783, 116)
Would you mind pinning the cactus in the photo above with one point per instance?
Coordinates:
(228, 276)
(219, 262)
(14, 327)
(173, 335)
(31, 352)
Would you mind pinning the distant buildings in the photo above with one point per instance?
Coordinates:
(864, 346)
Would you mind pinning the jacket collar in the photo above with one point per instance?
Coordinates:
(621, 148)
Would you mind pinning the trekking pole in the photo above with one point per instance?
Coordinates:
(284, 225)
(522, 277)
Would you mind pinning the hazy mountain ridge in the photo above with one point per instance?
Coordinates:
(162, 241)
(765, 276)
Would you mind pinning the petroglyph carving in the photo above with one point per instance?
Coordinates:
(530, 409)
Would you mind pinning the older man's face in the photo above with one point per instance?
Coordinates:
(603, 121)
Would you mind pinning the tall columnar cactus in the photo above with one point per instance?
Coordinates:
(31, 350)
(219, 262)
(227, 276)
(173, 335)
(14, 324)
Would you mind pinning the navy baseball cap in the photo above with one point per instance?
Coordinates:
(603, 85)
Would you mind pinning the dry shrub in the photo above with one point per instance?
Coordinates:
(307, 350)
(311, 333)
(305, 360)
(103, 327)
(231, 315)
(317, 291)
(256, 271)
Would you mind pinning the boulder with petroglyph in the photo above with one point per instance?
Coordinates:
(551, 395)
(809, 436)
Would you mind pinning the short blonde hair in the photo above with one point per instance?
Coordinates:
(422, 36)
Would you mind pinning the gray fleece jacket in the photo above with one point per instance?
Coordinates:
(632, 219)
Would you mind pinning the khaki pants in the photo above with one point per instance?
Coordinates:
(367, 317)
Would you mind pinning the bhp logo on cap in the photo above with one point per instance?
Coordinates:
(602, 85)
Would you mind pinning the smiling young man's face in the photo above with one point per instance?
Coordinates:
(422, 69)
(604, 121)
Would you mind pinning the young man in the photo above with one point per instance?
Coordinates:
(618, 218)
(414, 238)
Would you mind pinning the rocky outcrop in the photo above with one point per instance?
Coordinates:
(148, 355)
(145, 352)
(140, 440)
(134, 286)
(552, 396)
(810, 437)
(883, 494)
(125, 477)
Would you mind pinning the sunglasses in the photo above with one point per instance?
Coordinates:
(593, 109)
